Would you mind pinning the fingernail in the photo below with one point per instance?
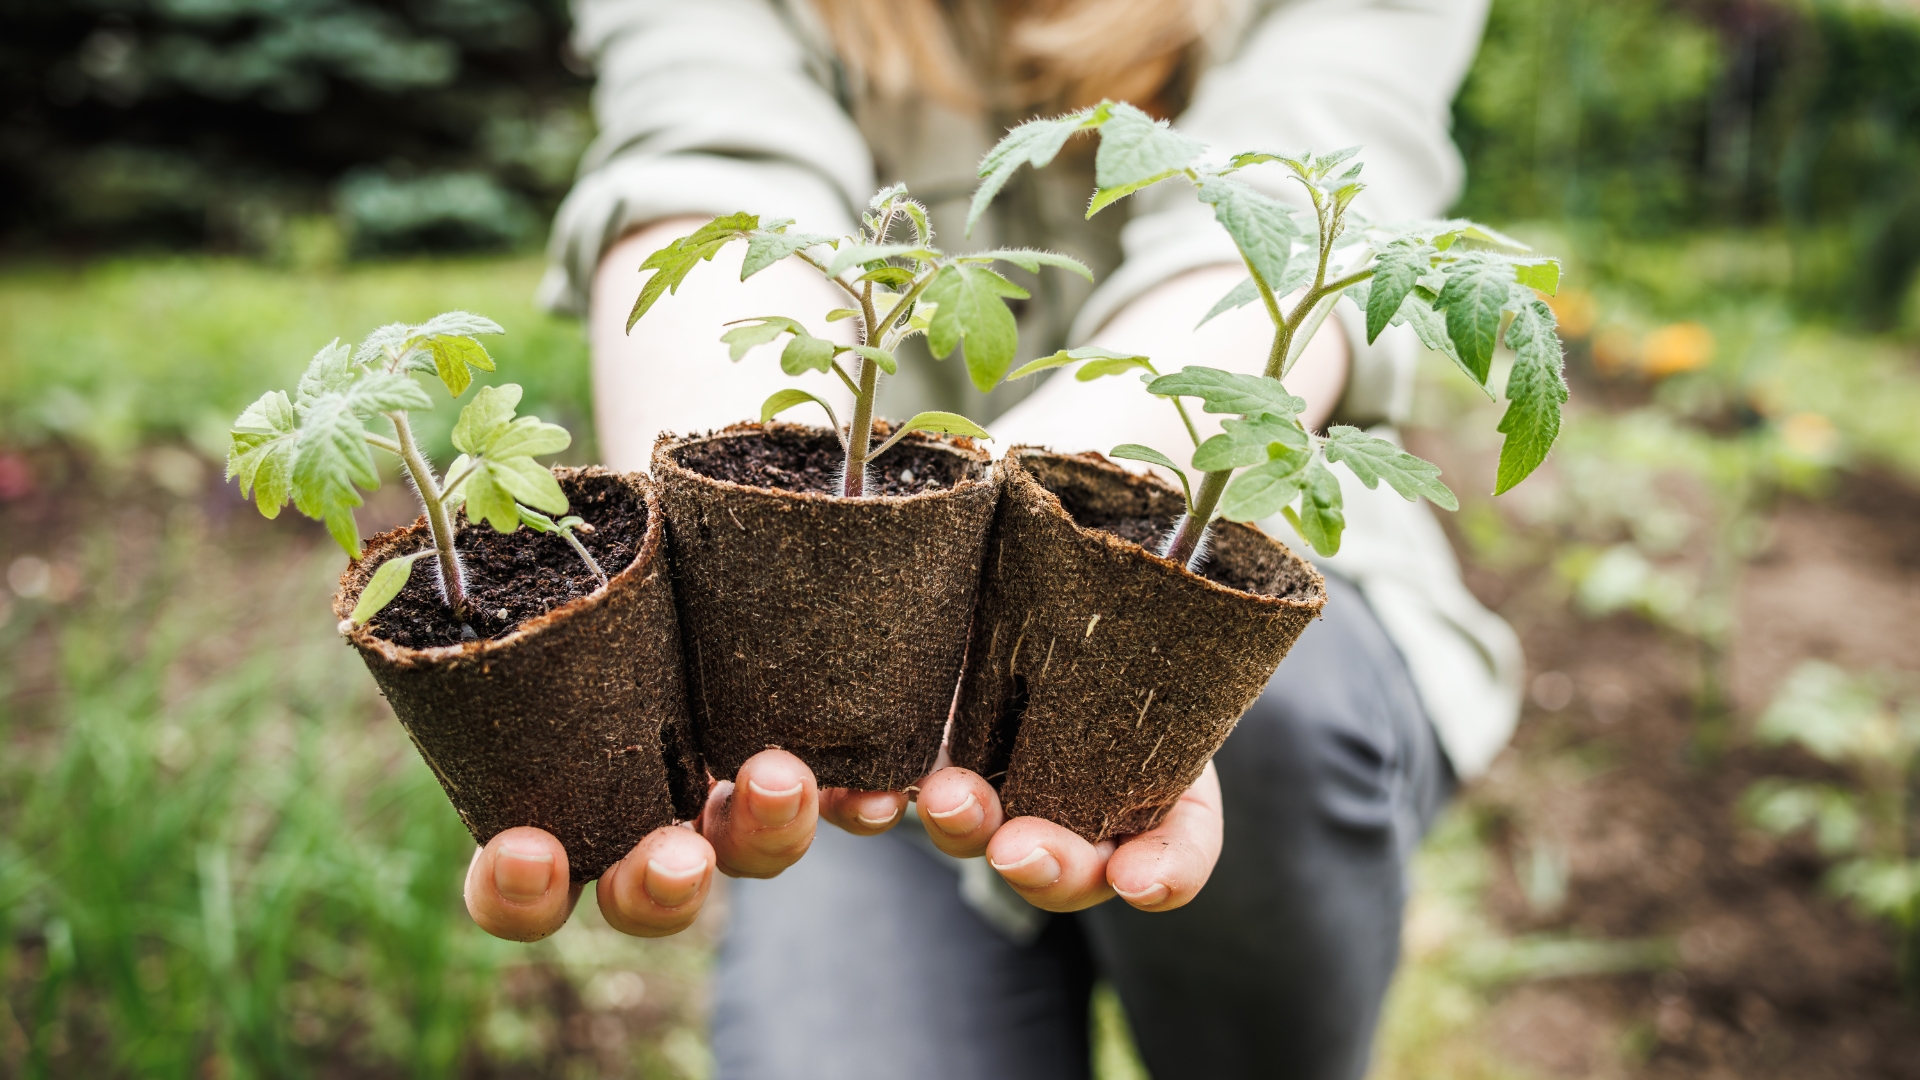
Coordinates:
(671, 886)
(953, 823)
(1037, 870)
(1146, 897)
(775, 808)
(522, 874)
(891, 815)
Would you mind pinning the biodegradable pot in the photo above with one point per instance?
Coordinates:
(834, 628)
(1102, 677)
(573, 720)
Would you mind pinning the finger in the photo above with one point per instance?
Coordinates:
(659, 887)
(863, 813)
(1163, 869)
(762, 821)
(517, 885)
(960, 810)
(1053, 868)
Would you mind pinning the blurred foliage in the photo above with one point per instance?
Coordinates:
(1646, 117)
(403, 123)
(191, 341)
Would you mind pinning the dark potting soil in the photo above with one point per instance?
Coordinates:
(519, 575)
(1151, 532)
(800, 459)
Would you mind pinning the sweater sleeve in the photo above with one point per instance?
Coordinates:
(703, 108)
(1319, 75)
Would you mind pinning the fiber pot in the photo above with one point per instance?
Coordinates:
(831, 627)
(571, 715)
(1101, 677)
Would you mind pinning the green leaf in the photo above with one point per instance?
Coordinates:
(806, 353)
(1229, 392)
(1136, 452)
(331, 458)
(1112, 365)
(1105, 197)
(1239, 296)
(539, 522)
(330, 370)
(1261, 227)
(861, 254)
(1030, 260)
(1249, 442)
(970, 310)
(453, 357)
(1034, 143)
(489, 412)
(487, 501)
(1374, 459)
(840, 313)
(782, 400)
(671, 264)
(879, 356)
(376, 392)
(894, 277)
(1064, 357)
(1262, 491)
(527, 436)
(1395, 270)
(1543, 275)
(1322, 517)
(1536, 388)
(1135, 148)
(766, 247)
(1476, 291)
(502, 449)
(384, 585)
(529, 482)
(1431, 327)
(261, 453)
(946, 423)
(749, 334)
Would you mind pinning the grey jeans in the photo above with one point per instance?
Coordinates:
(863, 959)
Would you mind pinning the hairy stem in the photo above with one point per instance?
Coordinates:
(452, 586)
(1193, 528)
(585, 555)
(860, 432)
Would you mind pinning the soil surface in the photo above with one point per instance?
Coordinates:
(519, 575)
(789, 459)
(1776, 978)
(1150, 532)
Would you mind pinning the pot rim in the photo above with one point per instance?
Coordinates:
(1015, 470)
(668, 442)
(650, 552)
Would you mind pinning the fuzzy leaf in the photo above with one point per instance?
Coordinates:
(782, 400)
(1261, 227)
(862, 254)
(1263, 490)
(671, 264)
(946, 423)
(1134, 148)
(1034, 143)
(1101, 367)
(1031, 260)
(1137, 452)
(489, 502)
(1395, 270)
(1476, 291)
(529, 482)
(1374, 459)
(1106, 197)
(971, 310)
(1229, 392)
(1238, 297)
(330, 370)
(1536, 388)
(1431, 327)
(453, 357)
(893, 277)
(1543, 275)
(806, 353)
(331, 458)
(1322, 517)
(1073, 356)
(879, 356)
(384, 585)
(502, 448)
(376, 392)
(767, 246)
(489, 412)
(1249, 442)
(261, 454)
(749, 334)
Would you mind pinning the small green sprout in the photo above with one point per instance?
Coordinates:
(314, 448)
(898, 287)
(566, 527)
(1457, 283)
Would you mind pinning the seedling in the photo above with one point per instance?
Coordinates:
(897, 288)
(314, 447)
(1455, 282)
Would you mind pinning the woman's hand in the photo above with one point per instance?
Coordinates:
(755, 826)
(1055, 869)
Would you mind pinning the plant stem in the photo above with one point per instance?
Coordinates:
(1193, 527)
(860, 432)
(585, 555)
(452, 587)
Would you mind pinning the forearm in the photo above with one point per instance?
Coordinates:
(1070, 415)
(671, 373)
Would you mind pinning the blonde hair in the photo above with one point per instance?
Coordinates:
(1020, 54)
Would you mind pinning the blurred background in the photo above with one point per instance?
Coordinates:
(1700, 858)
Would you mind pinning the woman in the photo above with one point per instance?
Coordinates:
(883, 954)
